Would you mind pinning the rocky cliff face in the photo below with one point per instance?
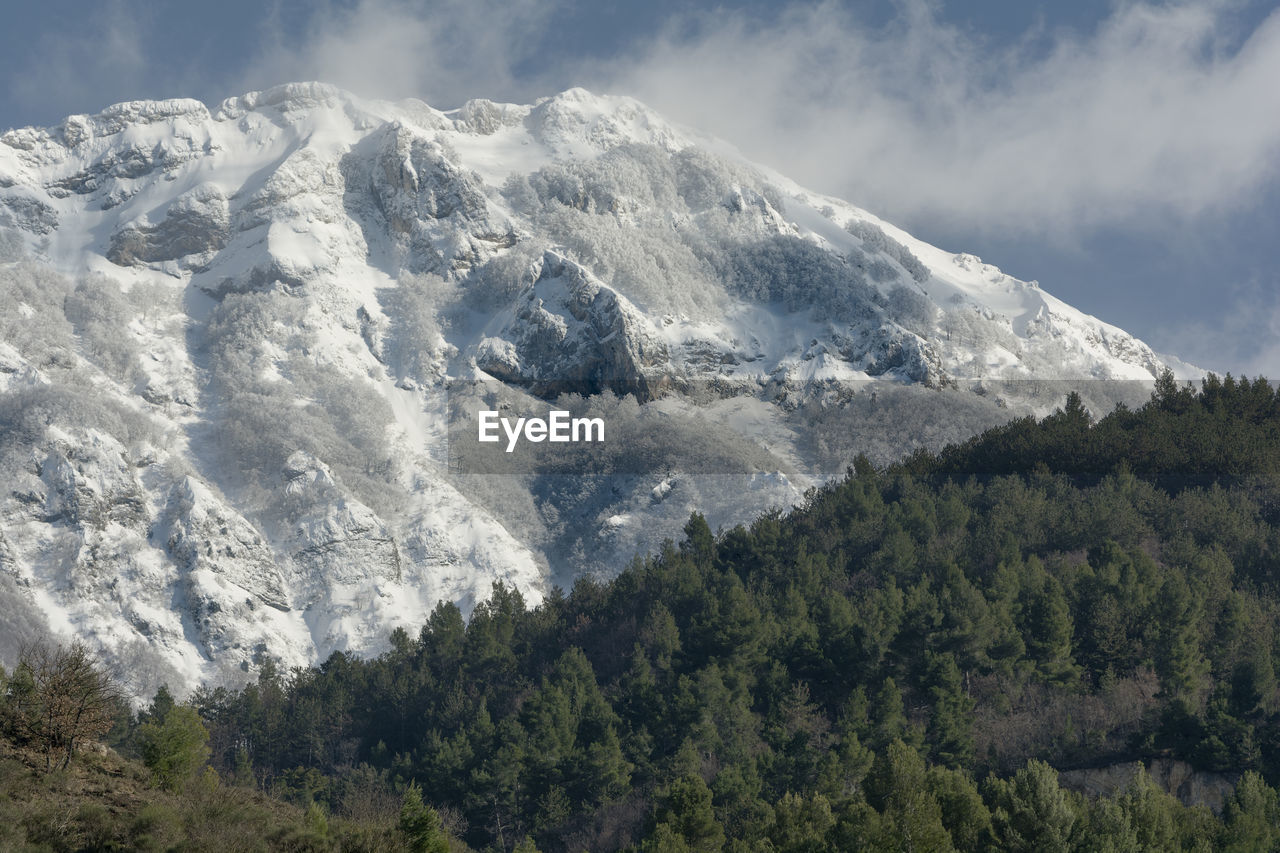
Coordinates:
(568, 332)
(228, 337)
(1192, 787)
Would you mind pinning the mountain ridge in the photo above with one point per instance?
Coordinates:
(240, 325)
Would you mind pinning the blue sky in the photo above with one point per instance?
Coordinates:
(1125, 154)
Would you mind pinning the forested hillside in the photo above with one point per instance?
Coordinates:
(900, 664)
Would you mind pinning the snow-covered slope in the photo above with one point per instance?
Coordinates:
(230, 339)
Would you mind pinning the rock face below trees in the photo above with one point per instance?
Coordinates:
(1192, 787)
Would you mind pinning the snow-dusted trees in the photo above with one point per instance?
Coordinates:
(11, 248)
(799, 274)
(875, 240)
(32, 322)
(673, 231)
(275, 397)
(100, 315)
(50, 318)
(417, 307)
(912, 310)
(625, 179)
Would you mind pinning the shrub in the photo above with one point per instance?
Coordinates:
(60, 697)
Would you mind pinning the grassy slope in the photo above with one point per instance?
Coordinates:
(103, 801)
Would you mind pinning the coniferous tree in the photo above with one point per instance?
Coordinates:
(1030, 812)
(1252, 816)
(420, 824)
(951, 724)
(910, 815)
(687, 820)
(176, 746)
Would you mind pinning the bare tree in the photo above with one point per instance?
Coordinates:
(60, 696)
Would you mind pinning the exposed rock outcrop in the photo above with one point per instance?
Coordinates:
(207, 535)
(1192, 787)
(333, 535)
(571, 333)
(197, 223)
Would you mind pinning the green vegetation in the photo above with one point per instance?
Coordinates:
(900, 664)
(175, 746)
(105, 802)
(99, 798)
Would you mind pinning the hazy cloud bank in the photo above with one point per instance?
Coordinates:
(442, 52)
(1244, 339)
(1151, 113)
(1164, 109)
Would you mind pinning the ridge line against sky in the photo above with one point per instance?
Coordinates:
(1126, 154)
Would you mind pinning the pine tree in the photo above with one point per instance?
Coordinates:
(420, 825)
(1047, 627)
(911, 818)
(801, 823)
(889, 717)
(687, 820)
(1030, 812)
(699, 542)
(951, 723)
(965, 815)
(1252, 816)
(1153, 813)
(1179, 661)
(159, 706)
(176, 747)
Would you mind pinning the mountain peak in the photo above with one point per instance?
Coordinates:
(267, 321)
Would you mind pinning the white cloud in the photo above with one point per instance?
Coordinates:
(443, 52)
(1157, 112)
(1151, 114)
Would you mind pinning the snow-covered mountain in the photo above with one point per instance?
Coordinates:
(233, 343)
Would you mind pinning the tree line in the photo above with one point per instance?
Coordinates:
(903, 662)
(924, 640)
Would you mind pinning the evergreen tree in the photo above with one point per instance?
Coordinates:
(1030, 812)
(420, 824)
(1252, 816)
(964, 814)
(910, 815)
(176, 747)
(889, 717)
(1152, 813)
(699, 542)
(801, 824)
(1179, 661)
(951, 723)
(1047, 626)
(687, 821)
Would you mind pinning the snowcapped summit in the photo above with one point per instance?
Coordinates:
(232, 342)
